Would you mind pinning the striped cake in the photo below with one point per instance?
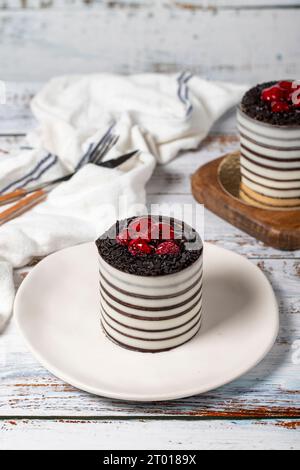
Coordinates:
(150, 283)
(270, 146)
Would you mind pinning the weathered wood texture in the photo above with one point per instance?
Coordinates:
(180, 4)
(68, 417)
(279, 229)
(240, 41)
(149, 435)
(272, 389)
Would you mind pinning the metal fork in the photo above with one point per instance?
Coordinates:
(96, 153)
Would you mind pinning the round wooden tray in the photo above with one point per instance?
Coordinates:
(216, 185)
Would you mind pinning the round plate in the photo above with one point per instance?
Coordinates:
(57, 310)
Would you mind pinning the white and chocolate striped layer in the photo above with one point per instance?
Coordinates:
(151, 314)
(270, 163)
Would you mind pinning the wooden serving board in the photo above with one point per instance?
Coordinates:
(277, 228)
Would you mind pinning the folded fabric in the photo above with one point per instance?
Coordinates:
(158, 114)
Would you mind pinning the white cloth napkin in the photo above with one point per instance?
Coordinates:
(158, 114)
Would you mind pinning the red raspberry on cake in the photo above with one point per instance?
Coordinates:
(280, 107)
(281, 96)
(286, 85)
(168, 248)
(139, 247)
(274, 93)
(149, 230)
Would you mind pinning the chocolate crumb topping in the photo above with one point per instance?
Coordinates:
(257, 109)
(118, 255)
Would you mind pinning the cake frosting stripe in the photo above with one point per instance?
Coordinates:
(253, 134)
(159, 315)
(144, 346)
(263, 201)
(286, 145)
(284, 164)
(274, 165)
(150, 308)
(158, 283)
(152, 323)
(149, 297)
(153, 336)
(151, 302)
(277, 176)
(120, 324)
(278, 185)
(280, 193)
(274, 172)
(267, 156)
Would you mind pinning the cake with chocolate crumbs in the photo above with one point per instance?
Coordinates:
(261, 109)
(150, 283)
(269, 127)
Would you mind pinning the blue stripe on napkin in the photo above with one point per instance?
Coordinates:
(183, 91)
(40, 168)
(42, 172)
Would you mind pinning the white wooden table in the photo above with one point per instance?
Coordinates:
(261, 410)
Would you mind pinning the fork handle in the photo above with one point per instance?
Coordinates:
(13, 196)
(23, 206)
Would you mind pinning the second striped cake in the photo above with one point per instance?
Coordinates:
(270, 146)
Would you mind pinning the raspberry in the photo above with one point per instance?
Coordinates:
(286, 85)
(280, 107)
(139, 247)
(274, 94)
(167, 248)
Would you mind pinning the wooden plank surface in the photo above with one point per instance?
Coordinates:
(180, 4)
(272, 389)
(255, 44)
(149, 435)
(29, 390)
(38, 410)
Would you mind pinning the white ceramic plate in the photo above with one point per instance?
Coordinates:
(57, 310)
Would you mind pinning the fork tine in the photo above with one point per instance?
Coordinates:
(107, 149)
(110, 144)
(102, 150)
(89, 155)
(99, 148)
(102, 141)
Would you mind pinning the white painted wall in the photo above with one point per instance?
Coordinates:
(239, 40)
